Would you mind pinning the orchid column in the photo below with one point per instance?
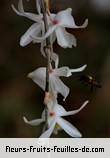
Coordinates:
(47, 28)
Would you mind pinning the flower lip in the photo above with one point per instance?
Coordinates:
(55, 22)
(51, 114)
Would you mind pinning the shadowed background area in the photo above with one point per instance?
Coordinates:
(19, 96)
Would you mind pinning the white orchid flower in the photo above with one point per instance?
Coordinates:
(55, 115)
(55, 83)
(36, 29)
(59, 22)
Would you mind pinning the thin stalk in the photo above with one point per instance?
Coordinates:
(47, 50)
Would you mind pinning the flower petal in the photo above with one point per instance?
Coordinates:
(35, 29)
(20, 12)
(58, 86)
(20, 6)
(33, 122)
(43, 115)
(83, 25)
(53, 37)
(82, 68)
(65, 113)
(59, 110)
(38, 76)
(64, 38)
(63, 71)
(68, 127)
(42, 47)
(55, 58)
(49, 131)
(66, 71)
(65, 18)
(48, 33)
(38, 6)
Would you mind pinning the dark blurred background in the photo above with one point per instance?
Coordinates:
(19, 96)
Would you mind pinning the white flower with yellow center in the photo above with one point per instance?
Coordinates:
(55, 114)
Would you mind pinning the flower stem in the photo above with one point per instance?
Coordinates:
(47, 50)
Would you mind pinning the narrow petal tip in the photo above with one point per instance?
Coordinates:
(80, 135)
(13, 7)
(64, 99)
(86, 102)
(22, 43)
(69, 9)
(83, 67)
(25, 119)
(75, 44)
(85, 23)
(30, 75)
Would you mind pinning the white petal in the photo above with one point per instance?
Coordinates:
(35, 29)
(74, 111)
(59, 110)
(42, 48)
(52, 104)
(33, 122)
(38, 76)
(43, 43)
(49, 131)
(82, 68)
(16, 11)
(56, 85)
(53, 37)
(43, 115)
(83, 25)
(20, 6)
(48, 33)
(68, 128)
(66, 71)
(38, 6)
(31, 16)
(20, 12)
(52, 88)
(52, 16)
(65, 18)
(65, 39)
(71, 39)
(59, 86)
(55, 58)
(63, 71)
